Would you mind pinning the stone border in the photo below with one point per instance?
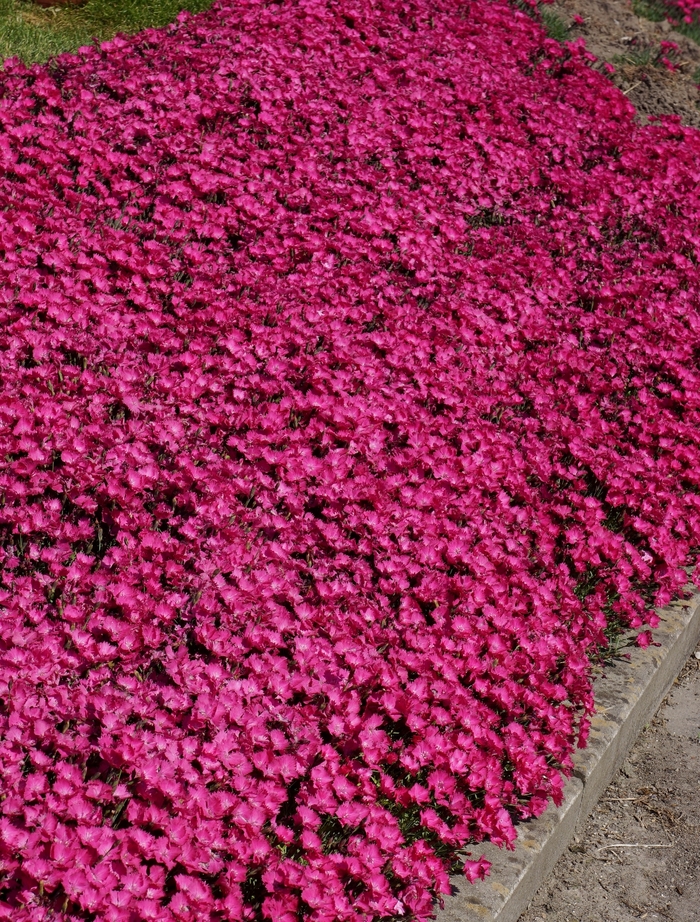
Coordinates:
(627, 697)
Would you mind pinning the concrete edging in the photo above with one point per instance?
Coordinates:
(627, 697)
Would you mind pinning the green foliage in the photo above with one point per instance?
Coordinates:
(691, 30)
(650, 9)
(554, 25)
(35, 34)
(637, 57)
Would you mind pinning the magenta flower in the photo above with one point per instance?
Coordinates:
(344, 402)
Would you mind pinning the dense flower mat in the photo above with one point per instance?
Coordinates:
(349, 369)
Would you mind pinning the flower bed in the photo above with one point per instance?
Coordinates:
(349, 393)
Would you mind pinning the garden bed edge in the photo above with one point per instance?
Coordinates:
(627, 697)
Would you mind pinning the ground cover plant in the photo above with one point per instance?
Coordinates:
(349, 396)
(35, 32)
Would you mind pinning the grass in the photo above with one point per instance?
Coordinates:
(650, 9)
(643, 57)
(35, 34)
(554, 25)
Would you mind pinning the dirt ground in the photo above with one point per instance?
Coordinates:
(632, 44)
(639, 854)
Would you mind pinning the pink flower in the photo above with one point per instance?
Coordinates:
(343, 403)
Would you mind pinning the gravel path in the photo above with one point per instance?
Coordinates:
(653, 809)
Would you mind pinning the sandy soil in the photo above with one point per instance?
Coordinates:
(652, 808)
(632, 44)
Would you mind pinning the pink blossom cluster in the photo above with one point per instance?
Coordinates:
(682, 10)
(668, 55)
(349, 393)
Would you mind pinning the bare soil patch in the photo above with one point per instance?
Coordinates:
(653, 809)
(617, 35)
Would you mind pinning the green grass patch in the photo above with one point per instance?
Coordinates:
(554, 25)
(643, 57)
(650, 9)
(34, 34)
(692, 30)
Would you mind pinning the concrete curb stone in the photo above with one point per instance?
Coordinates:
(627, 697)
